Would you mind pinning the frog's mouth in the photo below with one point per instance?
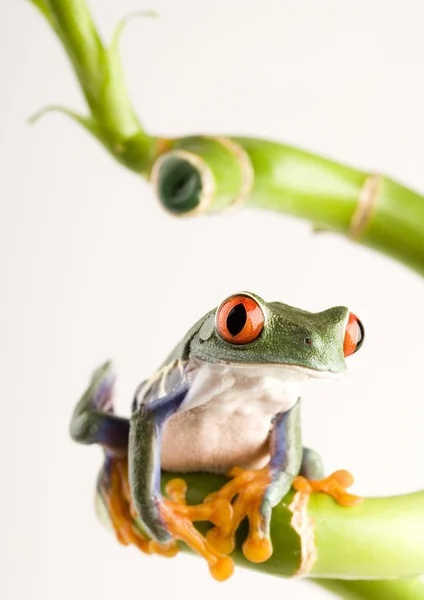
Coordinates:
(279, 370)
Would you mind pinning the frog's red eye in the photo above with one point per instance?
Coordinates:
(354, 335)
(239, 320)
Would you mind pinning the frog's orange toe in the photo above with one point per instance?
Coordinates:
(222, 513)
(301, 484)
(176, 514)
(343, 478)
(246, 491)
(257, 550)
(349, 500)
(176, 490)
(220, 542)
(217, 510)
(335, 485)
(113, 489)
(179, 516)
(240, 498)
(222, 569)
(168, 550)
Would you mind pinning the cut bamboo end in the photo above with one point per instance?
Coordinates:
(183, 182)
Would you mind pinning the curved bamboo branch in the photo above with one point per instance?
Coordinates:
(392, 589)
(334, 546)
(99, 73)
(312, 535)
(370, 209)
(205, 174)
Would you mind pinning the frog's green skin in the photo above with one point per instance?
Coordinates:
(208, 406)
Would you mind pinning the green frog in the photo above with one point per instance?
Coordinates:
(226, 400)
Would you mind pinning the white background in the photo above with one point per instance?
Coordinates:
(92, 268)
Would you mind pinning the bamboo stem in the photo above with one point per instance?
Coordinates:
(327, 193)
(402, 589)
(381, 538)
(220, 172)
(101, 79)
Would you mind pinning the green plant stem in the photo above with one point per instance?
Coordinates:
(325, 192)
(98, 70)
(402, 589)
(286, 179)
(381, 538)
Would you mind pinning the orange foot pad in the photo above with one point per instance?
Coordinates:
(179, 518)
(239, 498)
(119, 509)
(245, 492)
(122, 514)
(335, 485)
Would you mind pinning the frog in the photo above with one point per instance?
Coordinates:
(226, 400)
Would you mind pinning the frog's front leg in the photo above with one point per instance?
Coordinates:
(169, 519)
(255, 493)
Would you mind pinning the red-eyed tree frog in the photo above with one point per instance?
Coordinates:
(226, 400)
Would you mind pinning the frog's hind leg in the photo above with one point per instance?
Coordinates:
(113, 498)
(93, 420)
(311, 479)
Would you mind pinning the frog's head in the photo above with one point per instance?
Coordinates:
(245, 330)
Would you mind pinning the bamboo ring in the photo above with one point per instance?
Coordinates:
(362, 215)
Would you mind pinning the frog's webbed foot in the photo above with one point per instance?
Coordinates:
(114, 489)
(178, 518)
(246, 492)
(335, 485)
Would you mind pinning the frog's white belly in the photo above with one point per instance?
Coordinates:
(227, 417)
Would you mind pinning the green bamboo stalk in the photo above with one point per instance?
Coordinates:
(98, 69)
(303, 185)
(202, 174)
(383, 537)
(402, 589)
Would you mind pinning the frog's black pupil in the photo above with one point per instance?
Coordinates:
(361, 335)
(236, 319)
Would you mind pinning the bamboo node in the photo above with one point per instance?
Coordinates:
(246, 167)
(365, 208)
(303, 525)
